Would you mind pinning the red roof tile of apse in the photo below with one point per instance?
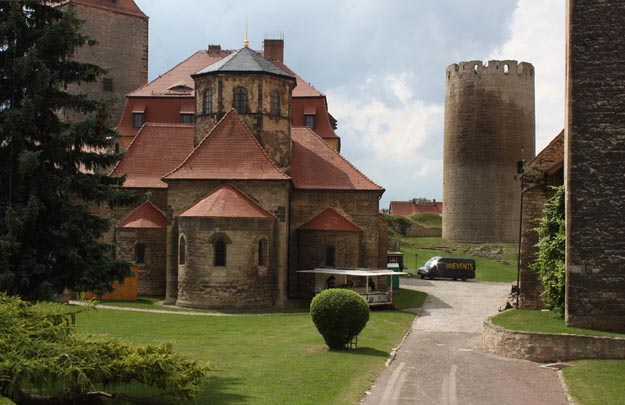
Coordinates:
(226, 201)
(228, 152)
(145, 216)
(315, 165)
(155, 151)
(330, 220)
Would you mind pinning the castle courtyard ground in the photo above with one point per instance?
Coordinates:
(440, 361)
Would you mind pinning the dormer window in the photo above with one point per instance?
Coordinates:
(138, 115)
(137, 120)
(180, 87)
(309, 121)
(186, 118)
(240, 100)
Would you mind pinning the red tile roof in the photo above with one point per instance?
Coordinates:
(226, 201)
(407, 208)
(155, 109)
(550, 158)
(302, 88)
(315, 165)
(155, 151)
(119, 6)
(180, 75)
(330, 220)
(228, 152)
(145, 216)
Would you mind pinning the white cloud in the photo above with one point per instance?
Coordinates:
(538, 37)
(397, 137)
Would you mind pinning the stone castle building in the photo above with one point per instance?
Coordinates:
(594, 153)
(121, 31)
(245, 185)
(489, 128)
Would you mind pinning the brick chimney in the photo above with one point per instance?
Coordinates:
(274, 49)
(214, 48)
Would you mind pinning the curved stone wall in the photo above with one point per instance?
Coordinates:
(548, 347)
(489, 127)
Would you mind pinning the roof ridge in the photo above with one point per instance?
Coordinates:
(169, 124)
(231, 113)
(134, 139)
(163, 74)
(236, 190)
(550, 144)
(341, 157)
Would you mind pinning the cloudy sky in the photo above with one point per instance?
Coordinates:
(381, 65)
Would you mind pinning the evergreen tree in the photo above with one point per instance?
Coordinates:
(51, 169)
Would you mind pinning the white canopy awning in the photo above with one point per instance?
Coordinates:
(355, 272)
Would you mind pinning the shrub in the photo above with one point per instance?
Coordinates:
(40, 352)
(551, 253)
(339, 315)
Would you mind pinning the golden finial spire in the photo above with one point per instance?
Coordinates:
(246, 43)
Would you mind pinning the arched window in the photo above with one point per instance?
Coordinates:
(140, 253)
(330, 256)
(262, 252)
(207, 107)
(182, 250)
(274, 101)
(240, 100)
(220, 252)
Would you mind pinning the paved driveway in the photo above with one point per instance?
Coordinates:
(440, 362)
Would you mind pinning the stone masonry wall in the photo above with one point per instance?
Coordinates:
(489, 127)
(594, 156)
(360, 207)
(122, 47)
(152, 271)
(549, 347)
(273, 132)
(273, 196)
(242, 283)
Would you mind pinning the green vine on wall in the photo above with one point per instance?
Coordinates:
(551, 252)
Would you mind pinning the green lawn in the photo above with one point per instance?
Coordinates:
(542, 321)
(487, 270)
(596, 382)
(274, 359)
(409, 298)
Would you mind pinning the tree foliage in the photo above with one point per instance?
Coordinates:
(42, 357)
(50, 169)
(550, 263)
(339, 315)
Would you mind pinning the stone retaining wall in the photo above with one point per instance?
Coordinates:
(547, 347)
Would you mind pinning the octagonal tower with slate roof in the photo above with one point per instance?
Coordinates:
(258, 90)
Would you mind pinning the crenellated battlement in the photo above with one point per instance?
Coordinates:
(492, 67)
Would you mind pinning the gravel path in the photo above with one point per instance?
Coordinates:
(440, 362)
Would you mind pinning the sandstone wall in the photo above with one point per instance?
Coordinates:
(122, 47)
(594, 155)
(241, 283)
(360, 207)
(489, 127)
(151, 273)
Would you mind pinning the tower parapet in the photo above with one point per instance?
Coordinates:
(489, 127)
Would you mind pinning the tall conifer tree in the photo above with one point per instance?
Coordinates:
(50, 168)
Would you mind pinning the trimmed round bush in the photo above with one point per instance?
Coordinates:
(339, 315)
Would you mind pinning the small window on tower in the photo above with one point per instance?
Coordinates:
(107, 84)
(140, 253)
(208, 102)
(330, 256)
(274, 103)
(137, 120)
(240, 100)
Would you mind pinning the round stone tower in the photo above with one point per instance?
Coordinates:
(489, 128)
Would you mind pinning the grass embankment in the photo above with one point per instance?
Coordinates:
(418, 250)
(590, 382)
(543, 322)
(491, 265)
(261, 359)
(596, 382)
